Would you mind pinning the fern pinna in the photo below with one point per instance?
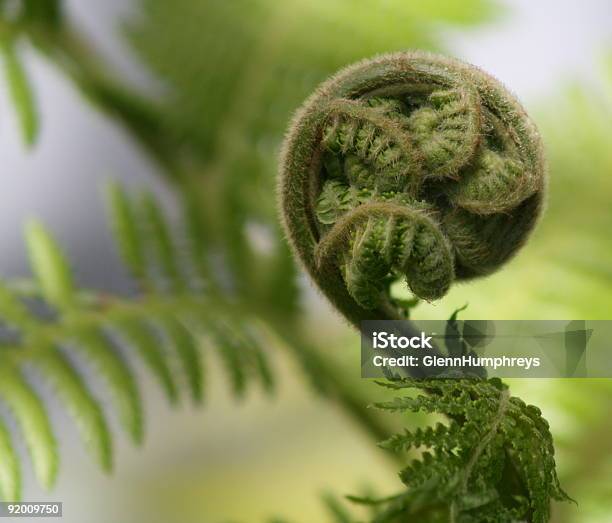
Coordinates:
(52, 330)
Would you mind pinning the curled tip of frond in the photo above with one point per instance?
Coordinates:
(408, 165)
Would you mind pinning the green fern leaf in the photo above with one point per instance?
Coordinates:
(79, 401)
(20, 91)
(33, 421)
(117, 375)
(162, 328)
(146, 343)
(493, 461)
(10, 475)
(160, 242)
(49, 266)
(188, 353)
(129, 239)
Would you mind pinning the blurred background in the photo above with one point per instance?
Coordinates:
(228, 76)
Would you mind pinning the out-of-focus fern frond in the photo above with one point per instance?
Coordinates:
(53, 329)
(577, 126)
(236, 70)
(20, 90)
(17, 19)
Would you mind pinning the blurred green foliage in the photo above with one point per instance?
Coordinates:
(575, 236)
(231, 74)
(573, 255)
(236, 71)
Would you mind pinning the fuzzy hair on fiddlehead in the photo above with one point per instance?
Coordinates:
(408, 165)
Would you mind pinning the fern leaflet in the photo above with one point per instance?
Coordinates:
(54, 331)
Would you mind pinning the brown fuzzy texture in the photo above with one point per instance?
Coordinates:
(413, 165)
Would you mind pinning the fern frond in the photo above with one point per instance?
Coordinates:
(79, 401)
(187, 350)
(50, 267)
(20, 91)
(30, 413)
(60, 334)
(493, 461)
(115, 372)
(128, 238)
(10, 475)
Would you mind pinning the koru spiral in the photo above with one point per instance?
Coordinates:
(408, 165)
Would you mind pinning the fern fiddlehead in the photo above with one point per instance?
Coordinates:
(408, 165)
(424, 167)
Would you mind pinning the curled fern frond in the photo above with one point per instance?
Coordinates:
(55, 330)
(493, 461)
(408, 165)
